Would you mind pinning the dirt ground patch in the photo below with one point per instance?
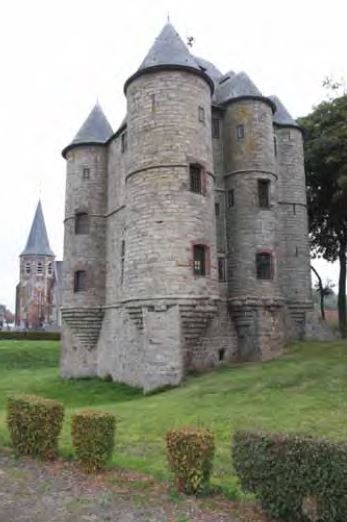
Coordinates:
(33, 491)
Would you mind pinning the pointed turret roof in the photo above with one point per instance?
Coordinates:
(169, 52)
(38, 243)
(282, 116)
(96, 130)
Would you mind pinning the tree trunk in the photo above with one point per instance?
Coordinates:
(341, 300)
(321, 292)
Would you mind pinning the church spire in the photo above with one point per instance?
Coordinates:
(38, 243)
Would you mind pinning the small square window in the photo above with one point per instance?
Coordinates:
(202, 114)
(240, 132)
(221, 269)
(195, 178)
(199, 253)
(217, 209)
(264, 266)
(86, 173)
(230, 198)
(264, 193)
(215, 128)
(80, 281)
(124, 142)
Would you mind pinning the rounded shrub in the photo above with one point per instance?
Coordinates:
(34, 424)
(93, 438)
(190, 453)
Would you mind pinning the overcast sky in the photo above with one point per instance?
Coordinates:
(58, 57)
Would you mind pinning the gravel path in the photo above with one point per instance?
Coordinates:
(58, 492)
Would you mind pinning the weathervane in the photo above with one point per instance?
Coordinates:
(190, 40)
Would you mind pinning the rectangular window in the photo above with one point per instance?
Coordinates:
(80, 281)
(217, 209)
(199, 267)
(230, 198)
(195, 178)
(240, 132)
(202, 114)
(27, 268)
(264, 266)
(275, 146)
(39, 268)
(85, 173)
(124, 141)
(264, 193)
(294, 209)
(221, 269)
(82, 223)
(215, 128)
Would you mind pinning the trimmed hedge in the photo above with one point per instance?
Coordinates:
(295, 478)
(93, 438)
(30, 335)
(190, 453)
(34, 424)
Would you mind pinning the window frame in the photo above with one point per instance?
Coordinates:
(124, 142)
(196, 185)
(230, 198)
(215, 128)
(80, 285)
(264, 273)
(200, 260)
(240, 132)
(86, 173)
(263, 197)
(27, 268)
(201, 114)
(39, 268)
(82, 228)
(221, 269)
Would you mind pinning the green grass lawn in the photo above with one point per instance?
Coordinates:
(304, 391)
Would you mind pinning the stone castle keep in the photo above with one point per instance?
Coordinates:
(186, 240)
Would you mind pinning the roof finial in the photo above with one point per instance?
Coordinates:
(168, 17)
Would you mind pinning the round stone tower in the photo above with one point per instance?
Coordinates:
(294, 243)
(170, 237)
(84, 245)
(251, 214)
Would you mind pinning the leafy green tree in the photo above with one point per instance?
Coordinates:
(325, 144)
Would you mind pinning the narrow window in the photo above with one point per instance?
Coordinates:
(294, 209)
(49, 269)
(263, 193)
(39, 268)
(122, 257)
(296, 251)
(124, 141)
(217, 209)
(215, 128)
(199, 252)
(221, 354)
(85, 173)
(201, 114)
(80, 281)
(230, 198)
(27, 268)
(221, 269)
(240, 132)
(275, 146)
(82, 223)
(264, 266)
(195, 178)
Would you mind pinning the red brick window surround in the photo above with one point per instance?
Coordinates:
(201, 259)
(82, 223)
(80, 281)
(264, 265)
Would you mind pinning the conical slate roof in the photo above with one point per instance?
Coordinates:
(282, 116)
(38, 243)
(169, 51)
(95, 130)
